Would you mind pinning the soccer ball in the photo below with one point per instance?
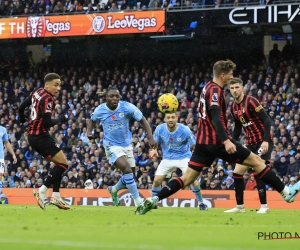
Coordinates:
(167, 103)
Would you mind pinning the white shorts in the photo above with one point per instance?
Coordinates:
(2, 166)
(115, 152)
(167, 166)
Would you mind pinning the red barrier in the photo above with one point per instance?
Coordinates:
(183, 198)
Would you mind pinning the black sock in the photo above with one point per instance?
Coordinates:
(54, 177)
(239, 187)
(171, 188)
(262, 192)
(269, 177)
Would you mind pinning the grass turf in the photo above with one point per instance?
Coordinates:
(83, 227)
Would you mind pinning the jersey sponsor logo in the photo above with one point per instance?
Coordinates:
(259, 152)
(215, 97)
(258, 108)
(49, 106)
(244, 123)
(214, 103)
(121, 115)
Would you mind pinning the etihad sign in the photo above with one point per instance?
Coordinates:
(82, 25)
(253, 14)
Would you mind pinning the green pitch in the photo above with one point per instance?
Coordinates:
(30, 228)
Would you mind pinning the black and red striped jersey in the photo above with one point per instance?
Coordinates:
(212, 96)
(41, 102)
(247, 114)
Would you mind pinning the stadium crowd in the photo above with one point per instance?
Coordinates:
(275, 84)
(57, 7)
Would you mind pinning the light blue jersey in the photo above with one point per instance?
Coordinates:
(175, 145)
(115, 123)
(3, 138)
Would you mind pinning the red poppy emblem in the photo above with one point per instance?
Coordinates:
(171, 139)
(113, 117)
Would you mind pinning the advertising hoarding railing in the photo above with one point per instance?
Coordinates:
(183, 198)
(82, 25)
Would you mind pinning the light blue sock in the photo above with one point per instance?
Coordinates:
(196, 190)
(131, 185)
(155, 190)
(120, 184)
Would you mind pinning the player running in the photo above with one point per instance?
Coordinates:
(42, 107)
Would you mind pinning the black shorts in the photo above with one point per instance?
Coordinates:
(204, 155)
(256, 150)
(44, 144)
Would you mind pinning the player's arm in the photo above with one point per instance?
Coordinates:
(26, 103)
(46, 107)
(191, 139)
(237, 130)
(92, 123)
(148, 130)
(221, 133)
(10, 150)
(258, 108)
(90, 126)
(48, 122)
(267, 125)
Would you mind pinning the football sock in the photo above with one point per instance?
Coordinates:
(171, 188)
(60, 169)
(131, 185)
(56, 195)
(262, 192)
(239, 188)
(43, 189)
(155, 190)
(120, 184)
(54, 176)
(269, 177)
(196, 190)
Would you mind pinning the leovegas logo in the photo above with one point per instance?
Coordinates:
(130, 21)
(57, 27)
(35, 27)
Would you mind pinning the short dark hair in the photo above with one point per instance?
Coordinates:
(236, 80)
(221, 67)
(51, 76)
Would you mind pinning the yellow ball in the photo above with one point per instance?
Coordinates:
(167, 103)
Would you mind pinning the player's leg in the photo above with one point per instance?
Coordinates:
(39, 144)
(266, 174)
(61, 165)
(122, 158)
(262, 193)
(203, 155)
(261, 186)
(239, 188)
(127, 177)
(195, 186)
(163, 169)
